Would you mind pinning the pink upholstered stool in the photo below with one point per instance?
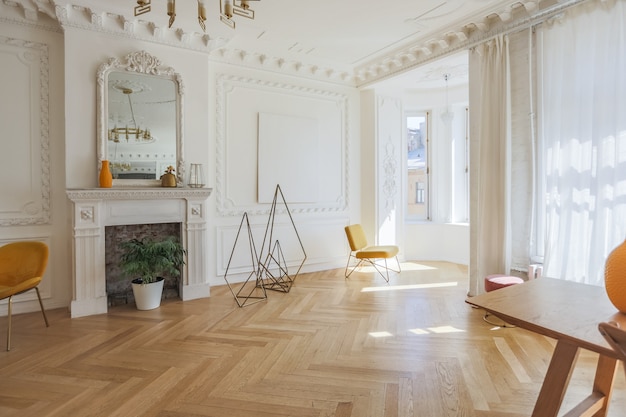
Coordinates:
(495, 282)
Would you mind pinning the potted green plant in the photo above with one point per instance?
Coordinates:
(147, 260)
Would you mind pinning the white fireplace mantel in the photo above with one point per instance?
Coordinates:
(96, 208)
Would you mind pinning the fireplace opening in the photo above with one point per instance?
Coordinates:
(118, 286)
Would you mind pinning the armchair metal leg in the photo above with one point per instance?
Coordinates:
(10, 305)
(387, 268)
(41, 305)
(377, 267)
(347, 274)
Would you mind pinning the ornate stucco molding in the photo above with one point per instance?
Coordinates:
(93, 19)
(140, 62)
(226, 84)
(474, 31)
(36, 208)
(514, 16)
(151, 193)
(37, 14)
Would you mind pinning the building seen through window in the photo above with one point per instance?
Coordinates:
(417, 167)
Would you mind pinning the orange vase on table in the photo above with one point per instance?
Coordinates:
(615, 277)
(106, 178)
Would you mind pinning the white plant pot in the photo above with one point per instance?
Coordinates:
(148, 296)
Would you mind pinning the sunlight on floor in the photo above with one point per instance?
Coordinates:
(419, 331)
(438, 330)
(445, 329)
(429, 330)
(405, 266)
(412, 266)
(410, 286)
(380, 334)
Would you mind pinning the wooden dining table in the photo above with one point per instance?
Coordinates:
(570, 313)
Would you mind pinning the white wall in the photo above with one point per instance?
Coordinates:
(221, 103)
(33, 202)
(240, 95)
(440, 238)
(368, 177)
(221, 106)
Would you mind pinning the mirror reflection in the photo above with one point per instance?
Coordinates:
(141, 125)
(140, 119)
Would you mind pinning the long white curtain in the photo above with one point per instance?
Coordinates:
(583, 133)
(490, 144)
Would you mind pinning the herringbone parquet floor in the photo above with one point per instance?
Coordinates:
(329, 347)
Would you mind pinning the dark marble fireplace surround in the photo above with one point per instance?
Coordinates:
(118, 287)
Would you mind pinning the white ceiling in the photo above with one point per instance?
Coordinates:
(368, 40)
(352, 32)
(346, 33)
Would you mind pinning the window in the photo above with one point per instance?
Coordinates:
(418, 179)
(420, 196)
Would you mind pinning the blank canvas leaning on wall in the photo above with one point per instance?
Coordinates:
(289, 156)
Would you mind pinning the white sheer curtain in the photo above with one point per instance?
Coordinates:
(583, 134)
(490, 144)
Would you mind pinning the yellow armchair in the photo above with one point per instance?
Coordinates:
(360, 252)
(22, 265)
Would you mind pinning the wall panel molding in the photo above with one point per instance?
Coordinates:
(26, 189)
(237, 132)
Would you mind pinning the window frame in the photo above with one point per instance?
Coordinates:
(407, 195)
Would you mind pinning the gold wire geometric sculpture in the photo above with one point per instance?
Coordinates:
(269, 266)
(251, 291)
(274, 270)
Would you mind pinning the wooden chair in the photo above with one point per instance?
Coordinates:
(22, 265)
(616, 338)
(361, 252)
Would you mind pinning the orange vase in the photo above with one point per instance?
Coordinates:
(106, 178)
(615, 277)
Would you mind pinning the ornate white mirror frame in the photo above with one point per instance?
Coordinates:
(137, 63)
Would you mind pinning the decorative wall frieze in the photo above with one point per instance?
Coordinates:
(37, 14)
(154, 193)
(283, 65)
(92, 19)
(390, 175)
(32, 203)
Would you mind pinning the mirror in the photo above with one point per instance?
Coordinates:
(140, 120)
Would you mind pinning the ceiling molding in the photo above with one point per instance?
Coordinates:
(91, 19)
(100, 21)
(297, 68)
(27, 14)
(460, 36)
(517, 17)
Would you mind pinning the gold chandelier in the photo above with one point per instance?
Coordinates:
(228, 8)
(135, 134)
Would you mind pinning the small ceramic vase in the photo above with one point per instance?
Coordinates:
(106, 178)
